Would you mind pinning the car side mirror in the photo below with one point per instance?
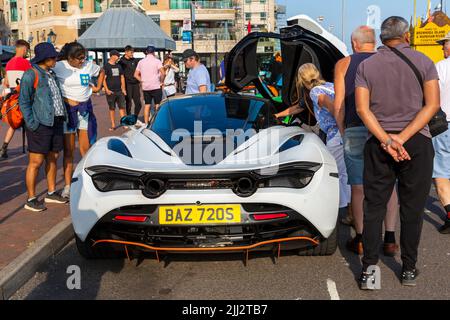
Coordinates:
(128, 120)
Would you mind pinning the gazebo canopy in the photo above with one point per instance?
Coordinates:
(119, 27)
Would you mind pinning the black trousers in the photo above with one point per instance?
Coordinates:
(414, 181)
(133, 95)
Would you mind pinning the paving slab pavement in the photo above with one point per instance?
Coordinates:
(20, 229)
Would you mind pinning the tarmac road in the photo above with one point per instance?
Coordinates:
(226, 277)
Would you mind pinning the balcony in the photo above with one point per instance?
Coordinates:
(208, 34)
(207, 46)
(202, 4)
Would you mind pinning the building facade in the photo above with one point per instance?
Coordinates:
(36, 20)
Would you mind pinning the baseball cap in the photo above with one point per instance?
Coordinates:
(150, 49)
(188, 53)
(114, 53)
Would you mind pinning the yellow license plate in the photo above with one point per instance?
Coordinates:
(219, 214)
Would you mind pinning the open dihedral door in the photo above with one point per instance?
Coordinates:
(269, 62)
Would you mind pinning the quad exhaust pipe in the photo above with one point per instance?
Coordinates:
(154, 188)
(245, 187)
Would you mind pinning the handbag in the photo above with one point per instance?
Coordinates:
(438, 123)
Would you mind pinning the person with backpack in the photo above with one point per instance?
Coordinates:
(15, 69)
(43, 110)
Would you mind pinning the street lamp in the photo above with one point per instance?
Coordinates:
(52, 37)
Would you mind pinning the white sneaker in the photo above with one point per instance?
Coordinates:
(66, 192)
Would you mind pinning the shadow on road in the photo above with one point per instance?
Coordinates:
(354, 261)
(434, 207)
(92, 271)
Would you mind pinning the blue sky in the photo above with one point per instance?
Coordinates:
(355, 12)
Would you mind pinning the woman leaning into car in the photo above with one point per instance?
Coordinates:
(322, 96)
(74, 74)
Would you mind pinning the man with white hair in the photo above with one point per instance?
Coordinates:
(396, 106)
(355, 136)
(441, 143)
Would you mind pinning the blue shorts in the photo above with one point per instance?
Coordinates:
(82, 124)
(354, 141)
(441, 145)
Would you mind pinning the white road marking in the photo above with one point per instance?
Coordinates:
(332, 290)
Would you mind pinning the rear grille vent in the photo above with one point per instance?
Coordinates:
(199, 184)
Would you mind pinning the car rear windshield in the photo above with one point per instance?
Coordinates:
(212, 114)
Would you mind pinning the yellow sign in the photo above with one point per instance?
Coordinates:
(428, 35)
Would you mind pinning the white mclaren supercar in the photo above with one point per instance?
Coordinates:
(216, 172)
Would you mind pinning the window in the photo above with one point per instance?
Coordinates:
(97, 6)
(29, 12)
(263, 15)
(43, 8)
(153, 2)
(248, 16)
(35, 10)
(13, 8)
(248, 1)
(84, 24)
(262, 1)
(80, 4)
(20, 15)
(64, 6)
(49, 6)
(37, 37)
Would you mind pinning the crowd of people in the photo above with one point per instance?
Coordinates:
(376, 124)
(375, 116)
(55, 99)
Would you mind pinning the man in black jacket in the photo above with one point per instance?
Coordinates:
(129, 64)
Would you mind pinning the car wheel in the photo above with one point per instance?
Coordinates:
(326, 247)
(102, 251)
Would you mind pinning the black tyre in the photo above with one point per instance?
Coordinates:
(326, 247)
(100, 251)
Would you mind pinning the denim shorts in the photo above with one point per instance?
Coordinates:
(441, 145)
(82, 124)
(354, 141)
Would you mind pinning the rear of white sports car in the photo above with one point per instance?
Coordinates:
(275, 190)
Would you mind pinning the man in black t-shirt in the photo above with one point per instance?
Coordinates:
(133, 88)
(114, 84)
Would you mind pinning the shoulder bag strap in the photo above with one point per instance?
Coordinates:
(412, 66)
(36, 79)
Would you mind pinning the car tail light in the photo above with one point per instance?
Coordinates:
(131, 218)
(269, 216)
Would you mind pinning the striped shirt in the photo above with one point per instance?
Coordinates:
(56, 96)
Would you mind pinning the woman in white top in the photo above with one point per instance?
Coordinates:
(74, 74)
(169, 81)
